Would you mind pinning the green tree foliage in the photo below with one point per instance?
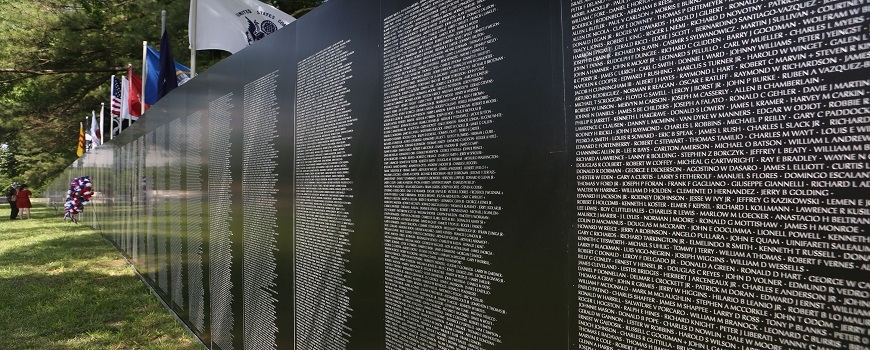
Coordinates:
(56, 60)
(8, 164)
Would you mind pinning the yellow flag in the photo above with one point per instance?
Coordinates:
(81, 149)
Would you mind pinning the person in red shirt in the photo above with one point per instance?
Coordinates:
(23, 202)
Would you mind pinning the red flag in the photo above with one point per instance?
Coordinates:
(134, 96)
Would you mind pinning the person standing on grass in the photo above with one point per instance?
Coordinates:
(23, 202)
(12, 199)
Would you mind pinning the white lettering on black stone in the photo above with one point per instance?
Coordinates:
(193, 204)
(721, 173)
(176, 132)
(437, 193)
(324, 130)
(260, 213)
(219, 202)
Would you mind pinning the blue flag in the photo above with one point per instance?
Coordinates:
(166, 79)
(152, 59)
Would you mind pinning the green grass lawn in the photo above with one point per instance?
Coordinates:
(63, 287)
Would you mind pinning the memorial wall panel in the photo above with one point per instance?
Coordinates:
(437, 264)
(259, 214)
(119, 219)
(125, 204)
(466, 183)
(197, 203)
(272, 87)
(257, 116)
(171, 114)
(219, 213)
(337, 233)
(114, 221)
(159, 160)
(175, 225)
(193, 206)
(148, 186)
(719, 158)
(140, 205)
(324, 129)
(126, 170)
(582, 174)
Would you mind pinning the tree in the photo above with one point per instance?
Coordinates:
(8, 164)
(56, 60)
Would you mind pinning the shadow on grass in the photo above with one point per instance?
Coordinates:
(78, 246)
(73, 291)
(12, 226)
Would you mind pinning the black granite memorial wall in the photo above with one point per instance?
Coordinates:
(721, 176)
(482, 174)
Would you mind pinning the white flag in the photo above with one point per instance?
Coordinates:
(125, 102)
(232, 25)
(95, 129)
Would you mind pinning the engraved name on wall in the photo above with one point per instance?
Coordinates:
(259, 213)
(194, 221)
(219, 203)
(324, 130)
(437, 196)
(175, 233)
(721, 173)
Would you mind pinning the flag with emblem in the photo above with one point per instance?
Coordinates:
(232, 25)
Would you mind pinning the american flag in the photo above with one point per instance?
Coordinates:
(115, 107)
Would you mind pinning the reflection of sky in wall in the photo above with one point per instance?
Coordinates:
(161, 157)
(98, 157)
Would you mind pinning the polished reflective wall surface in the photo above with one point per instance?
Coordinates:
(483, 175)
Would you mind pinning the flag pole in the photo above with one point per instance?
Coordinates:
(162, 21)
(192, 26)
(111, 127)
(81, 138)
(86, 138)
(129, 116)
(144, 66)
(102, 132)
(111, 118)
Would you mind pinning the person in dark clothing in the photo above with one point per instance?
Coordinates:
(11, 198)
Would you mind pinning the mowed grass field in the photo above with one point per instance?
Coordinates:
(62, 286)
